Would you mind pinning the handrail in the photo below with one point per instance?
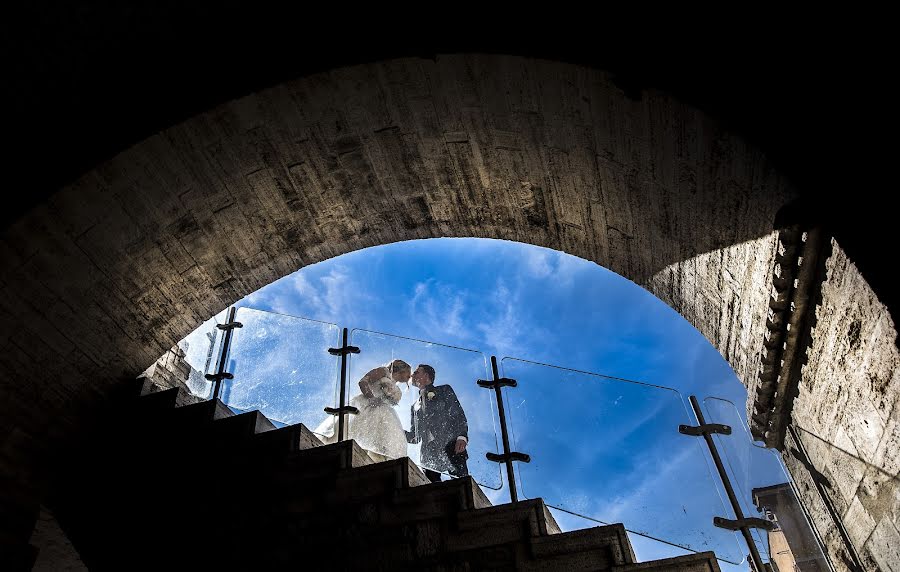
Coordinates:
(501, 391)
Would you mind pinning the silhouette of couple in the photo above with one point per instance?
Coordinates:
(437, 420)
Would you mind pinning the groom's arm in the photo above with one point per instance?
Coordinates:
(458, 422)
(411, 435)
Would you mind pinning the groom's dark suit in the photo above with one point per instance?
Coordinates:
(437, 421)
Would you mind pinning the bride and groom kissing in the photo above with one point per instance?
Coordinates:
(437, 421)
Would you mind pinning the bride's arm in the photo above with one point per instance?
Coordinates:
(371, 376)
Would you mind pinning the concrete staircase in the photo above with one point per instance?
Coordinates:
(172, 483)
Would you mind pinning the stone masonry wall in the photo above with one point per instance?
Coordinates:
(115, 268)
(847, 416)
(721, 293)
(55, 550)
(170, 370)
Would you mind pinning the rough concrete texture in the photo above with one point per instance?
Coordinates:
(848, 414)
(114, 269)
(724, 294)
(55, 550)
(117, 267)
(824, 517)
(797, 276)
(170, 370)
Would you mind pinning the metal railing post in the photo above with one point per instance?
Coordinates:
(741, 523)
(342, 405)
(228, 327)
(508, 456)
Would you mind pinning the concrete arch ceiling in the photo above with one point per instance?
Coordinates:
(116, 267)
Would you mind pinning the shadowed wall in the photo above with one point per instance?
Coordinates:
(113, 269)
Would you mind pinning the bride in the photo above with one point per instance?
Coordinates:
(376, 427)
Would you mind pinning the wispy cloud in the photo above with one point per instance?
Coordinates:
(543, 263)
(307, 292)
(502, 331)
(510, 328)
(338, 296)
(509, 300)
(438, 309)
(537, 262)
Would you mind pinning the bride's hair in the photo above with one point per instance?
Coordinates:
(398, 365)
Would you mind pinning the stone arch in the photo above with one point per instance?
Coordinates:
(129, 258)
(106, 275)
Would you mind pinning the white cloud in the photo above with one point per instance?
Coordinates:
(304, 289)
(340, 292)
(537, 262)
(544, 263)
(566, 268)
(333, 297)
(438, 309)
(505, 332)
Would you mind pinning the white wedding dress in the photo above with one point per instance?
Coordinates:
(377, 427)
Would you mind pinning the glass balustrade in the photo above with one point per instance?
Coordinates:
(602, 450)
(842, 473)
(201, 353)
(765, 490)
(434, 418)
(281, 366)
(610, 450)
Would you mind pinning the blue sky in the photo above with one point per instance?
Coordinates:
(601, 447)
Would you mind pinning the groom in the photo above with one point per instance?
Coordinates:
(439, 423)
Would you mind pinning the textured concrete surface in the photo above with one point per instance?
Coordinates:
(114, 269)
(326, 506)
(725, 295)
(170, 370)
(55, 550)
(848, 415)
(102, 279)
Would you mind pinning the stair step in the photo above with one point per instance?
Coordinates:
(384, 502)
(296, 467)
(410, 475)
(540, 520)
(588, 549)
(187, 429)
(700, 562)
(279, 496)
(199, 413)
(127, 390)
(433, 530)
(348, 455)
(345, 487)
(585, 539)
(431, 501)
(464, 490)
(241, 426)
(502, 524)
(165, 399)
(158, 404)
(285, 440)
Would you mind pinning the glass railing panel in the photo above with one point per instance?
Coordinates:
(281, 366)
(834, 468)
(645, 548)
(765, 490)
(610, 450)
(431, 422)
(841, 471)
(201, 353)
